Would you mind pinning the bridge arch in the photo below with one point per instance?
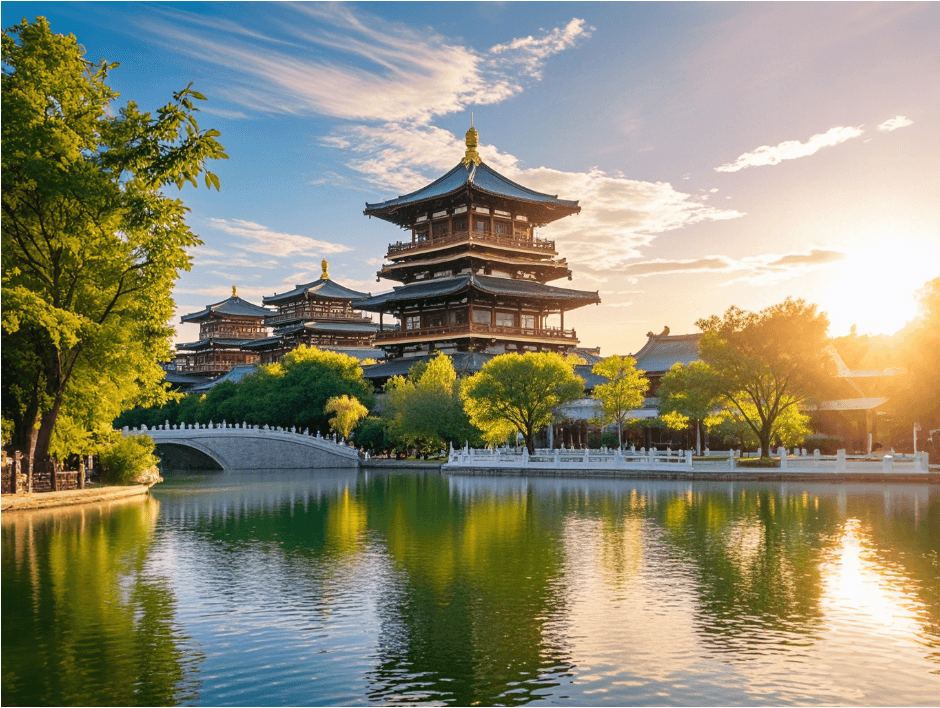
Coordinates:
(188, 455)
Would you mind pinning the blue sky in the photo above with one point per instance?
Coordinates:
(723, 154)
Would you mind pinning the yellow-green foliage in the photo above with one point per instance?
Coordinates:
(346, 413)
(127, 458)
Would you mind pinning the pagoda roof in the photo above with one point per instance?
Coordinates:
(662, 351)
(324, 287)
(230, 306)
(206, 343)
(485, 284)
(470, 177)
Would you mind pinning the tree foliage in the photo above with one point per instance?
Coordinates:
(346, 413)
(688, 393)
(291, 393)
(918, 401)
(424, 411)
(767, 362)
(91, 245)
(624, 391)
(520, 390)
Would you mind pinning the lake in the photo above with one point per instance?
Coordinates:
(389, 587)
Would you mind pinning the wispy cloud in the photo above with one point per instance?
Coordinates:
(756, 270)
(260, 239)
(791, 149)
(895, 123)
(334, 61)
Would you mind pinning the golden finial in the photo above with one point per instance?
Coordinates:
(234, 291)
(472, 142)
(325, 266)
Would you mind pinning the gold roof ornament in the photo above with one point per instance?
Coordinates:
(325, 275)
(472, 142)
(234, 291)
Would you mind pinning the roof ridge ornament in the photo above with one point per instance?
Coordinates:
(325, 275)
(472, 140)
(234, 291)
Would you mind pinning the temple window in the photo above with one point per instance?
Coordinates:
(436, 319)
(440, 229)
(502, 228)
(479, 226)
(482, 316)
(460, 223)
(505, 319)
(413, 322)
(528, 321)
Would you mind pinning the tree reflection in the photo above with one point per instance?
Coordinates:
(83, 622)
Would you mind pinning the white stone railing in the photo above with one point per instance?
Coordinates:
(585, 459)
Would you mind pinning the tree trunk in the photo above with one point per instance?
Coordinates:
(43, 437)
(698, 438)
(619, 435)
(529, 440)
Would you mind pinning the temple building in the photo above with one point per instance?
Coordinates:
(474, 275)
(224, 329)
(317, 314)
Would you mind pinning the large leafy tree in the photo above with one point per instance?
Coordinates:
(689, 392)
(425, 410)
(520, 390)
(767, 362)
(918, 401)
(91, 245)
(346, 413)
(625, 389)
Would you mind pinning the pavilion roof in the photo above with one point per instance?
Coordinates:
(214, 343)
(324, 288)
(486, 284)
(662, 351)
(471, 177)
(230, 306)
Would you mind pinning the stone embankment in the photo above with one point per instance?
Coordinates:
(71, 497)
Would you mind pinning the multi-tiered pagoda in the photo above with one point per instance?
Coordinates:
(317, 314)
(473, 273)
(224, 328)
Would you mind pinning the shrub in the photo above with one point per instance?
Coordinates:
(826, 444)
(123, 461)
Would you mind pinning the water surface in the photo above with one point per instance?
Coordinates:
(336, 587)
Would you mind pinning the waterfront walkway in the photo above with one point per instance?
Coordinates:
(71, 497)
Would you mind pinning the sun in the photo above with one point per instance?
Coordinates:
(875, 287)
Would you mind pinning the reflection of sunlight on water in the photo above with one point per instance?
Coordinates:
(871, 593)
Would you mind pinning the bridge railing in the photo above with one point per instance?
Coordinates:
(169, 428)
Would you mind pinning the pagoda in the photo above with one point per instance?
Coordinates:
(474, 276)
(316, 314)
(224, 328)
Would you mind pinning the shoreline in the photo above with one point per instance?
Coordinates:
(753, 475)
(71, 497)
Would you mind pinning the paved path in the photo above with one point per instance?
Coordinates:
(47, 500)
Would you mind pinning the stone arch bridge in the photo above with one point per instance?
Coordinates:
(245, 447)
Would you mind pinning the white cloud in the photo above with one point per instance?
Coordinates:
(334, 61)
(895, 123)
(755, 270)
(790, 149)
(261, 239)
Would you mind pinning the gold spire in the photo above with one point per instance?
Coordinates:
(472, 154)
(325, 266)
(234, 291)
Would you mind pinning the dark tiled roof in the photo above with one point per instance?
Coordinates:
(465, 363)
(230, 306)
(486, 284)
(326, 289)
(343, 327)
(481, 178)
(662, 351)
(590, 379)
(207, 343)
(237, 373)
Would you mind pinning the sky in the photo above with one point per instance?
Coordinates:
(724, 154)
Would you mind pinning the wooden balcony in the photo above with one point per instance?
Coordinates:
(538, 245)
(483, 331)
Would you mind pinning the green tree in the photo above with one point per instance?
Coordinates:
(688, 392)
(424, 410)
(624, 391)
(767, 362)
(918, 401)
(91, 245)
(346, 413)
(790, 430)
(520, 390)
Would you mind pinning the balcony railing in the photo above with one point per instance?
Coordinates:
(313, 315)
(528, 242)
(478, 330)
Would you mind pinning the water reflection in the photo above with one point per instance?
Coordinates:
(107, 628)
(342, 588)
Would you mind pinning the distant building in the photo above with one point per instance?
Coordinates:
(224, 328)
(317, 314)
(474, 275)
